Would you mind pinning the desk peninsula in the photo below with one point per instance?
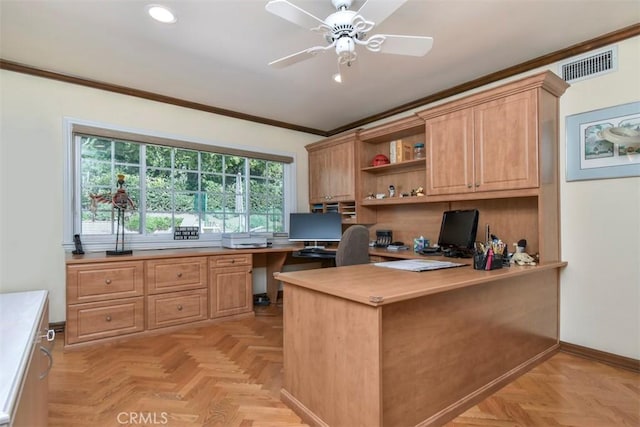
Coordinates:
(373, 346)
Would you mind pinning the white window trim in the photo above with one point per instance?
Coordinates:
(106, 242)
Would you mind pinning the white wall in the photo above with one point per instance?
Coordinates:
(600, 295)
(32, 165)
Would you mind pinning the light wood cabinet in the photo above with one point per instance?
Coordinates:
(176, 274)
(331, 170)
(175, 308)
(104, 319)
(109, 299)
(491, 146)
(101, 282)
(230, 288)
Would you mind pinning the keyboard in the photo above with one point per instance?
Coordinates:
(315, 251)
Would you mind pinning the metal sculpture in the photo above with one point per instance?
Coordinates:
(120, 202)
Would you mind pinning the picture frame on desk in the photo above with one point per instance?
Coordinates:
(603, 143)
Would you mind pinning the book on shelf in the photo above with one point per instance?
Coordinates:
(400, 151)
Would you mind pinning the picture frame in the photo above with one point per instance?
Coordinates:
(604, 143)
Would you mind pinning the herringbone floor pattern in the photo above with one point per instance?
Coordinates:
(230, 375)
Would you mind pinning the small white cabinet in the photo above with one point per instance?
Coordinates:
(26, 360)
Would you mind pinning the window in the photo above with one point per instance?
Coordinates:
(172, 184)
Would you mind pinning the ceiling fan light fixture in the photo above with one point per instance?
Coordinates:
(161, 13)
(337, 78)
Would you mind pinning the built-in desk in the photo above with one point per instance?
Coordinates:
(372, 346)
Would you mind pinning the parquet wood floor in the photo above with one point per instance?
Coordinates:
(230, 374)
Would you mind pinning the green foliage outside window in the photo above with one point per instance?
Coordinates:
(217, 192)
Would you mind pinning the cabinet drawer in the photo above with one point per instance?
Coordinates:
(87, 322)
(105, 281)
(177, 308)
(176, 274)
(230, 260)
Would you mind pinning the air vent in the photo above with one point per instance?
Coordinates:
(593, 64)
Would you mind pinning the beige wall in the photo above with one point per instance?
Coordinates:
(600, 295)
(32, 162)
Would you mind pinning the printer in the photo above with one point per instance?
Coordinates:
(243, 240)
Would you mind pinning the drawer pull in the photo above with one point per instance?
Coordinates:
(108, 318)
(107, 281)
(179, 307)
(233, 261)
(179, 274)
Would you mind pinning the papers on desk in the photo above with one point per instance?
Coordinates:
(418, 264)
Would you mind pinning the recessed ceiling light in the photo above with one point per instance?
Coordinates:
(161, 13)
(337, 78)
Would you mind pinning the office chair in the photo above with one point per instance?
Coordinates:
(353, 247)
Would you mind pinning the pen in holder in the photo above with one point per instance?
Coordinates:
(488, 260)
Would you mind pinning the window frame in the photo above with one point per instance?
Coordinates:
(72, 184)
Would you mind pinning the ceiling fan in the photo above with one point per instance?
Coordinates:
(345, 29)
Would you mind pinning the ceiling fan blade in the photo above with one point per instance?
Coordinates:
(405, 45)
(379, 10)
(293, 13)
(296, 57)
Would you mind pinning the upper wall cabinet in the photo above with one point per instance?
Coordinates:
(331, 170)
(490, 142)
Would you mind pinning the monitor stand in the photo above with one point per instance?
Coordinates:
(314, 246)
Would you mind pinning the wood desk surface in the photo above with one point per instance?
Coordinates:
(375, 286)
(174, 253)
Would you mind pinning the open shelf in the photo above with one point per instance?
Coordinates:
(406, 165)
(395, 201)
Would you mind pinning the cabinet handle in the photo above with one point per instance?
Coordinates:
(179, 274)
(233, 261)
(179, 307)
(469, 186)
(477, 185)
(107, 281)
(108, 318)
(50, 335)
(46, 351)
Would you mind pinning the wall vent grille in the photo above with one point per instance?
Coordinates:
(587, 66)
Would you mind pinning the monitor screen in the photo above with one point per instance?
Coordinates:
(458, 229)
(318, 227)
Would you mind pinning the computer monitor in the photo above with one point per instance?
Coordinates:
(458, 231)
(315, 227)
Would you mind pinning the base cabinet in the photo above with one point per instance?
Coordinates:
(109, 299)
(32, 405)
(176, 308)
(230, 288)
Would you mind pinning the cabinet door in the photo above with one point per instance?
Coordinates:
(230, 291)
(318, 179)
(449, 140)
(331, 173)
(505, 135)
(341, 172)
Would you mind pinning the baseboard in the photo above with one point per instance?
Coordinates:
(601, 356)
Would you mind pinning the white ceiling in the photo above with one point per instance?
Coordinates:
(217, 52)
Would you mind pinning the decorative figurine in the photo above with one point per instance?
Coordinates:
(392, 191)
(120, 202)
